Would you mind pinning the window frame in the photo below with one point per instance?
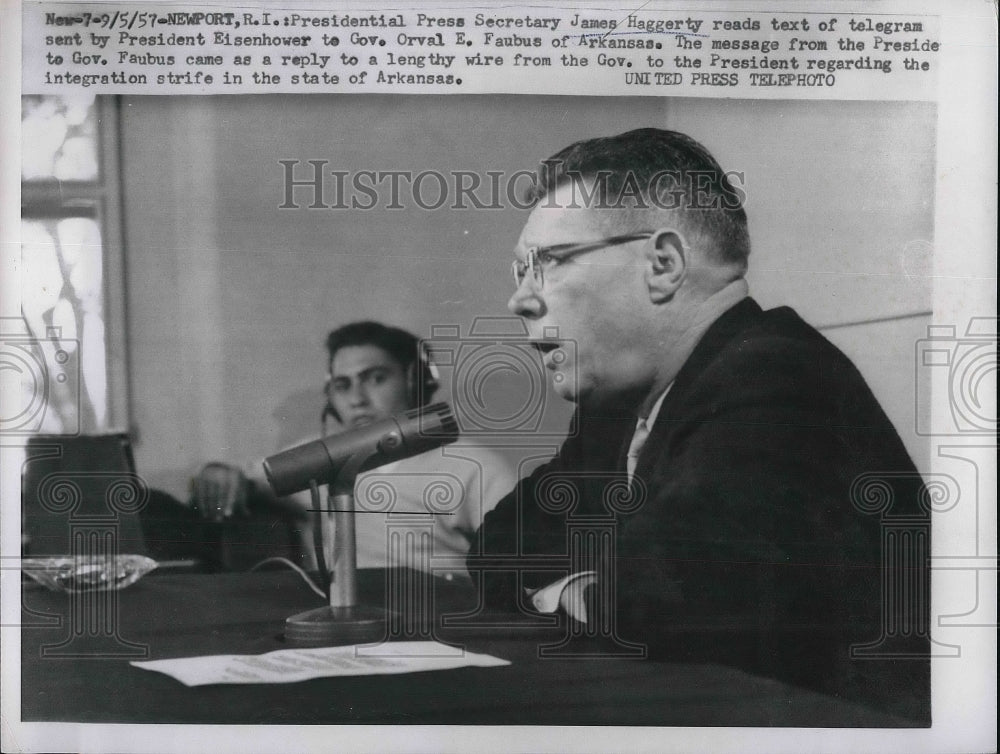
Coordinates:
(101, 200)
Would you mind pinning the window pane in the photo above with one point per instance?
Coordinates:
(59, 137)
(63, 305)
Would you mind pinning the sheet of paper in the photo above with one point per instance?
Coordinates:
(291, 665)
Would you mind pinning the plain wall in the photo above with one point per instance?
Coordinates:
(230, 297)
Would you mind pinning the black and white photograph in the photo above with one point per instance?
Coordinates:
(507, 420)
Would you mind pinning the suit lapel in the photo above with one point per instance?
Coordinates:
(731, 324)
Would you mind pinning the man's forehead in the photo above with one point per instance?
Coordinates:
(351, 360)
(560, 217)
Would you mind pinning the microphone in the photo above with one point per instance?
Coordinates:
(401, 436)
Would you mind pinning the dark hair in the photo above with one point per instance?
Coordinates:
(399, 344)
(651, 168)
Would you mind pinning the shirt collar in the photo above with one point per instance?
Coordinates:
(655, 410)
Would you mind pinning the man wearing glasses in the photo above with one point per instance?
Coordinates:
(724, 442)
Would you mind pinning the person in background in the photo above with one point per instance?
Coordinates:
(422, 512)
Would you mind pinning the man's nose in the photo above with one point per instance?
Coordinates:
(359, 395)
(527, 301)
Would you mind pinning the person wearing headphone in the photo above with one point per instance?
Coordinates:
(421, 512)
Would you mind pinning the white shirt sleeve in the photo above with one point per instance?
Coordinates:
(567, 593)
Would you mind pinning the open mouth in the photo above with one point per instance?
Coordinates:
(544, 346)
(551, 352)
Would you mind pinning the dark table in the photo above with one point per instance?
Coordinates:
(176, 615)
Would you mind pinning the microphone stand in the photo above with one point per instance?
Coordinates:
(343, 620)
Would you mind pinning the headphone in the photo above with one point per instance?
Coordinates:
(422, 381)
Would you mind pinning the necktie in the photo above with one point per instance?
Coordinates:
(638, 440)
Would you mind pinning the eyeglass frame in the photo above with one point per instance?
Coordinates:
(560, 252)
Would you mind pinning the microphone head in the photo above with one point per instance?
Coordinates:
(402, 436)
(427, 427)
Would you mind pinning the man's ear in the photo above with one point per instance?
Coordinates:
(666, 264)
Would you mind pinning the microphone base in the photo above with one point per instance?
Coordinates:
(337, 626)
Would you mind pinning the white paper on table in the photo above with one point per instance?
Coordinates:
(291, 665)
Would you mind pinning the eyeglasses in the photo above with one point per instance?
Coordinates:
(537, 256)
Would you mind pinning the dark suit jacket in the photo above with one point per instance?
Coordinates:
(755, 540)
